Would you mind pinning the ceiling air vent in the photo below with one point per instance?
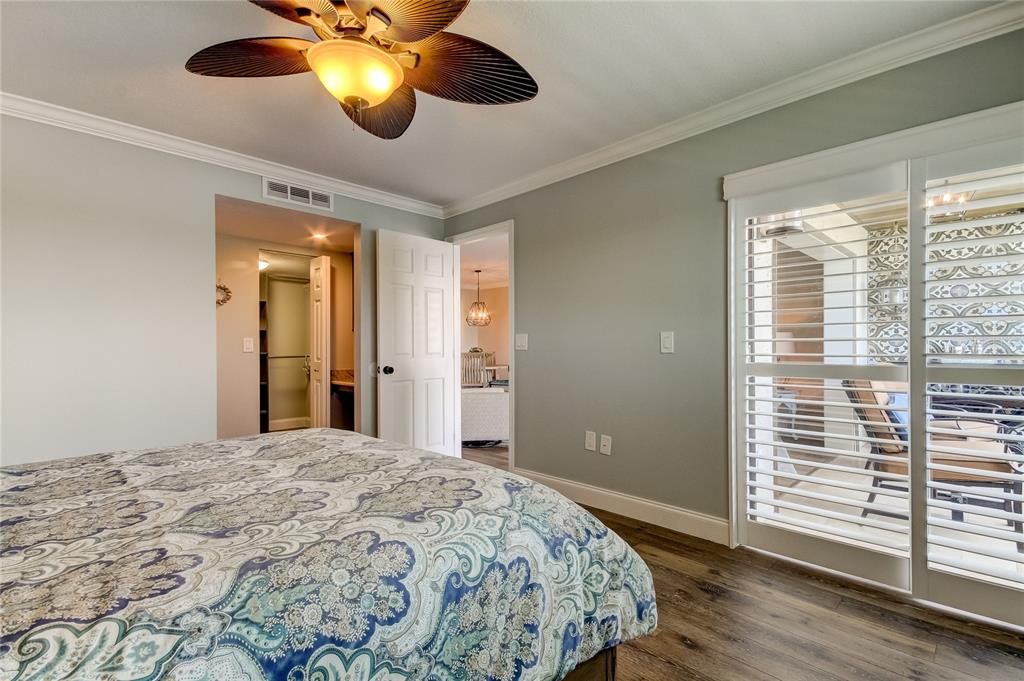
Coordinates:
(293, 193)
(321, 200)
(273, 189)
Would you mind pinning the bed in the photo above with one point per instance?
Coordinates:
(310, 555)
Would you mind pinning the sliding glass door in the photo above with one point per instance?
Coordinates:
(878, 325)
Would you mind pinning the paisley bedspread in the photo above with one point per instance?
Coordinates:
(312, 555)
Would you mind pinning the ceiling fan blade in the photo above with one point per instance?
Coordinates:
(452, 66)
(389, 119)
(294, 10)
(251, 58)
(411, 20)
(327, 11)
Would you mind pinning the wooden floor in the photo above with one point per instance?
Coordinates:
(492, 456)
(736, 615)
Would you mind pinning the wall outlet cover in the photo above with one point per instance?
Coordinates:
(668, 342)
(606, 445)
(248, 345)
(590, 441)
(522, 341)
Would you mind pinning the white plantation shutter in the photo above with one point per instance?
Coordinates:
(973, 302)
(824, 373)
(877, 370)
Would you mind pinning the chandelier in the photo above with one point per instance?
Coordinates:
(478, 314)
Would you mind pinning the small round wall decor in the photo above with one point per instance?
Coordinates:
(223, 294)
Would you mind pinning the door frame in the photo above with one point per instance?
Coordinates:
(504, 227)
(300, 422)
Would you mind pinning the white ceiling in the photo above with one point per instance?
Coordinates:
(258, 221)
(490, 256)
(606, 70)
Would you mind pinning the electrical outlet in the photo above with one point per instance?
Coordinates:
(248, 345)
(590, 441)
(522, 341)
(606, 445)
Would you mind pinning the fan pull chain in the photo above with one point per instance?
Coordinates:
(358, 106)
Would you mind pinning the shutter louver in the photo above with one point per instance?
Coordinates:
(877, 361)
(974, 348)
(826, 309)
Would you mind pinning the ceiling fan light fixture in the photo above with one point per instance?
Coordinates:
(351, 68)
(373, 57)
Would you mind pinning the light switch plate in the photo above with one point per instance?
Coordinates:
(668, 342)
(606, 445)
(590, 441)
(522, 341)
(248, 345)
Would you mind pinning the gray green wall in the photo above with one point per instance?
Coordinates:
(606, 260)
(106, 276)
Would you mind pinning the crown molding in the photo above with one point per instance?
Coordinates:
(950, 35)
(79, 121)
(947, 36)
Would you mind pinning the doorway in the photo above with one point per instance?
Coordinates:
(284, 340)
(485, 337)
(286, 331)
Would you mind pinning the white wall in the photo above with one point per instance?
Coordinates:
(470, 334)
(107, 280)
(237, 371)
(342, 297)
(608, 259)
(494, 336)
(288, 334)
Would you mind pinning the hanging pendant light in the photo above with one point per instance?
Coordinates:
(478, 314)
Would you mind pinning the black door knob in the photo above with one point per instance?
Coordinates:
(388, 370)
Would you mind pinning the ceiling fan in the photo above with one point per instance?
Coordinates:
(373, 55)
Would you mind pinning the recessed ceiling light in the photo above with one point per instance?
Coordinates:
(319, 236)
(264, 265)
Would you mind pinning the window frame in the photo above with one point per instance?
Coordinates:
(906, 158)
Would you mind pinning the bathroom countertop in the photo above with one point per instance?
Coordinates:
(343, 378)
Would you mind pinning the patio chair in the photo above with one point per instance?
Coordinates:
(871, 402)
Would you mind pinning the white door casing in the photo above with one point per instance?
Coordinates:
(506, 227)
(320, 342)
(416, 341)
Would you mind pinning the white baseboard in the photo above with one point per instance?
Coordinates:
(682, 520)
(289, 424)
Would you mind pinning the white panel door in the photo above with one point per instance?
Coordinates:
(320, 342)
(416, 341)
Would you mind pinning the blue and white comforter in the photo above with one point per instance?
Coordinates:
(319, 554)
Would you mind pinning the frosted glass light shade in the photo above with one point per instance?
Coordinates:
(353, 68)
